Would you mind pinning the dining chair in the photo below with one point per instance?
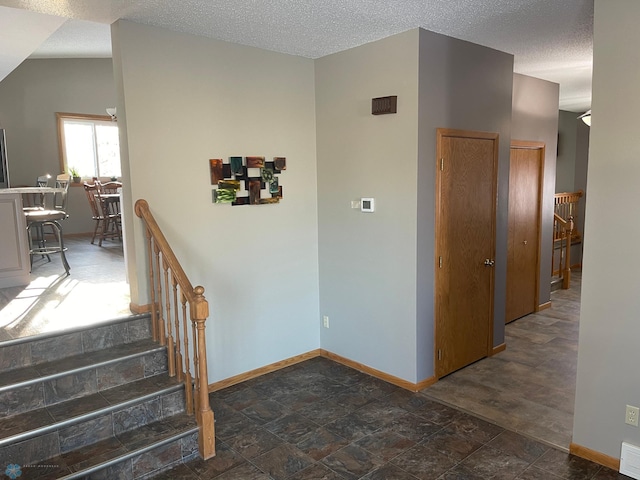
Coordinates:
(107, 223)
(38, 219)
(110, 187)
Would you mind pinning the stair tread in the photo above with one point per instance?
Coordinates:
(80, 328)
(74, 363)
(104, 401)
(122, 446)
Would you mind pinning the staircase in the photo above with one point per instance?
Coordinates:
(92, 403)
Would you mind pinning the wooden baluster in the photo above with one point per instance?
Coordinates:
(566, 275)
(161, 334)
(553, 247)
(178, 360)
(152, 283)
(199, 314)
(187, 378)
(171, 353)
(196, 361)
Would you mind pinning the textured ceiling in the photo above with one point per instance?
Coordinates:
(550, 39)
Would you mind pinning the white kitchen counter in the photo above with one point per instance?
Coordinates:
(14, 246)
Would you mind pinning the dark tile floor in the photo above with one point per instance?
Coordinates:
(529, 387)
(321, 420)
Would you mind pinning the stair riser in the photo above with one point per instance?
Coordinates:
(151, 463)
(66, 439)
(138, 467)
(51, 392)
(130, 432)
(45, 350)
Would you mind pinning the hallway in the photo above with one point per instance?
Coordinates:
(530, 387)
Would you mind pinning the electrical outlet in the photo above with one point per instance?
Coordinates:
(631, 417)
(325, 324)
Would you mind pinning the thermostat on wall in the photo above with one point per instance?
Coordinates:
(367, 205)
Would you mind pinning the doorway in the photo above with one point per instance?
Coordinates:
(523, 247)
(466, 187)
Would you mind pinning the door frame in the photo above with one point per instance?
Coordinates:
(533, 145)
(439, 221)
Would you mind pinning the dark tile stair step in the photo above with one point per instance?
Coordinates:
(48, 419)
(78, 363)
(78, 329)
(128, 455)
(46, 347)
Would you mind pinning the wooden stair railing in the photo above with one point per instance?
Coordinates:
(565, 205)
(562, 229)
(172, 295)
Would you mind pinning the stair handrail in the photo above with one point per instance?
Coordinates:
(184, 295)
(565, 204)
(566, 229)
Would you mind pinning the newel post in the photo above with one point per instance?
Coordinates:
(566, 276)
(206, 439)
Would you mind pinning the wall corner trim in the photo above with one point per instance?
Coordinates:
(497, 349)
(594, 456)
(399, 382)
(135, 308)
(258, 372)
(543, 306)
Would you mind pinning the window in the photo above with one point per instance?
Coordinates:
(89, 145)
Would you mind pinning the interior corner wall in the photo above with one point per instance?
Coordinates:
(187, 99)
(580, 183)
(566, 161)
(468, 87)
(535, 118)
(608, 353)
(30, 96)
(368, 260)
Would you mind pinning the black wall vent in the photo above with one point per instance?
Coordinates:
(384, 105)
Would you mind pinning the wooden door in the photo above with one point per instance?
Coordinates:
(466, 182)
(523, 250)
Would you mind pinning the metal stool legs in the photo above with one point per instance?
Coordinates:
(42, 248)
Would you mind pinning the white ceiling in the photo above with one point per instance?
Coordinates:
(550, 39)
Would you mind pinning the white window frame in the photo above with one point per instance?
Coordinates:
(85, 118)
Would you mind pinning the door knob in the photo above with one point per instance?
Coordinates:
(524, 242)
(489, 263)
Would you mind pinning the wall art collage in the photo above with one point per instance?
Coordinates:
(247, 180)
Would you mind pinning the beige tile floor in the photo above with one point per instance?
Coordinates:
(530, 387)
(96, 290)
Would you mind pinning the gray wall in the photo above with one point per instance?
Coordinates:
(580, 183)
(376, 270)
(463, 86)
(608, 354)
(186, 99)
(535, 118)
(566, 161)
(368, 260)
(571, 167)
(29, 98)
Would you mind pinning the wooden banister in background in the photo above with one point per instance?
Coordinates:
(565, 205)
(171, 295)
(562, 231)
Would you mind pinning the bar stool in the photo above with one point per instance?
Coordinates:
(39, 219)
